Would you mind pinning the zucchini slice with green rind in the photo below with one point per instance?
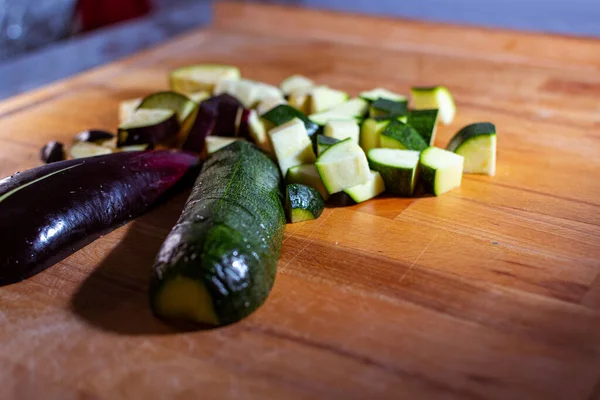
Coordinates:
(368, 190)
(439, 97)
(398, 169)
(477, 144)
(441, 170)
(343, 165)
(308, 175)
(302, 203)
(398, 135)
(425, 123)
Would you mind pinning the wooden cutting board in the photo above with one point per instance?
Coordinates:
(491, 291)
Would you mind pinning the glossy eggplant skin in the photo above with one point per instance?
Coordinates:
(48, 213)
(216, 116)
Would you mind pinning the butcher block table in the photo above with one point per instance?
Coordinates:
(491, 291)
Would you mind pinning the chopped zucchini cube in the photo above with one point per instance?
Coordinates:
(477, 144)
(302, 203)
(342, 129)
(343, 165)
(294, 83)
(308, 175)
(388, 108)
(368, 190)
(398, 169)
(323, 98)
(370, 133)
(325, 142)
(426, 98)
(441, 170)
(291, 145)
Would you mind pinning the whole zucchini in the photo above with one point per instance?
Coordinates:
(48, 213)
(218, 263)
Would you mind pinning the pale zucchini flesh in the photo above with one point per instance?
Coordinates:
(294, 83)
(477, 144)
(368, 190)
(370, 133)
(438, 97)
(342, 129)
(292, 145)
(343, 165)
(195, 78)
(381, 93)
(441, 170)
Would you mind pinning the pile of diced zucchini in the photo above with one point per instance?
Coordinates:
(327, 143)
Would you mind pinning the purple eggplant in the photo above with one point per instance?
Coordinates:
(217, 116)
(51, 211)
(52, 152)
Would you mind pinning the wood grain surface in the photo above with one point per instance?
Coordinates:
(491, 291)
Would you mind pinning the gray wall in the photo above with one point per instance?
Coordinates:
(572, 17)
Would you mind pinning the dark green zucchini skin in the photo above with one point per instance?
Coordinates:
(49, 212)
(229, 235)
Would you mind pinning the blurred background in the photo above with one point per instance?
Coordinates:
(45, 40)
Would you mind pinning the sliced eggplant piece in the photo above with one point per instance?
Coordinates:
(194, 78)
(96, 136)
(253, 127)
(52, 152)
(148, 126)
(82, 200)
(219, 115)
(200, 96)
(127, 108)
(185, 108)
(86, 149)
(294, 83)
(137, 147)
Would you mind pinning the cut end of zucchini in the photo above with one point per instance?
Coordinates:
(441, 170)
(269, 103)
(195, 78)
(343, 165)
(368, 190)
(434, 97)
(200, 96)
(303, 203)
(148, 126)
(186, 299)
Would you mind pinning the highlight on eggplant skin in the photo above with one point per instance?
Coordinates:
(49, 212)
(52, 152)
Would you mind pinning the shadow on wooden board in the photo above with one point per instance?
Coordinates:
(115, 296)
